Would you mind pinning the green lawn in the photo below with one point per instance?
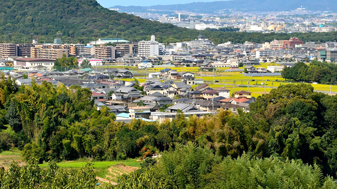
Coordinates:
(98, 164)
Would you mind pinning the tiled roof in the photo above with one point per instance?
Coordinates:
(210, 92)
(97, 94)
(243, 92)
(221, 89)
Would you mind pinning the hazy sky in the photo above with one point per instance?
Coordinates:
(110, 3)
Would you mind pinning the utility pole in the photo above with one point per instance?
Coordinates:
(212, 103)
(248, 85)
(233, 86)
(213, 75)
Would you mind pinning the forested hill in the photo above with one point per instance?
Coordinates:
(85, 19)
(82, 18)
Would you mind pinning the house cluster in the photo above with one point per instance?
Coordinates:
(158, 100)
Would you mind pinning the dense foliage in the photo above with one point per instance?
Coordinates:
(56, 123)
(32, 176)
(195, 167)
(84, 20)
(320, 72)
(64, 63)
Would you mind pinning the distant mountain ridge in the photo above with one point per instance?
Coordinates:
(239, 5)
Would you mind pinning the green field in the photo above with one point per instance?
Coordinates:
(98, 164)
(257, 85)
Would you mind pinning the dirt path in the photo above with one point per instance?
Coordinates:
(105, 180)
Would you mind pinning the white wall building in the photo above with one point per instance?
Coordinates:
(274, 69)
(34, 63)
(150, 48)
(263, 53)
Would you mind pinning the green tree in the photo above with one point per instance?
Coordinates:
(86, 64)
(13, 117)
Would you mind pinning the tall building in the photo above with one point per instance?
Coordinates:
(23, 50)
(56, 50)
(123, 49)
(104, 52)
(148, 48)
(292, 42)
(329, 55)
(7, 50)
(49, 51)
(263, 53)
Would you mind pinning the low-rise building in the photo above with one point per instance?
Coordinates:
(210, 94)
(242, 94)
(32, 63)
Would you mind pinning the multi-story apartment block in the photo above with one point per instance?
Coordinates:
(23, 50)
(123, 49)
(263, 53)
(329, 55)
(47, 53)
(104, 52)
(148, 48)
(7, 50)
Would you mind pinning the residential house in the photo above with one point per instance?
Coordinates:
(97, 96)
(210, 94)
(242, 94)
(274, 69)
(124, 74)
(138, 112)
(198, 81)
(187, 74)
(93, 86)
(165, 73)
(163, 116)
(251, 69)
(261, 70)
(181, 88)
(155, 89)
(201, 87)
(189, 80)
(196, 95)
(126, 94)
(183, 100)
(20, 82)
(182, 107)
(208, 105)
(223, 92)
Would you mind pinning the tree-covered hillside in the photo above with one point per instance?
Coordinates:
(86, 19)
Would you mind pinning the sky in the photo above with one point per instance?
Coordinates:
(111, 3)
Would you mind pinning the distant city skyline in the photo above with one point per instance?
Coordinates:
(109, 3)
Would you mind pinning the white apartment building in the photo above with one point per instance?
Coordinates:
(263, 53)
(150, 48)
(34, 63)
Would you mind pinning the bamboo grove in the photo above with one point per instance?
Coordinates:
(58, 123)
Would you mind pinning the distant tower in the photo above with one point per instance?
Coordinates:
(179, 17)
(153, 38)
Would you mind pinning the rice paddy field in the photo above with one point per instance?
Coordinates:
(257, 85)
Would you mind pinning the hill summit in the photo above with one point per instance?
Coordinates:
(83, 19)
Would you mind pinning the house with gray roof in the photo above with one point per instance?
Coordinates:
(182, 107)
(20, 82)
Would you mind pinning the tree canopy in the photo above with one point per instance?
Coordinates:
(320, 72)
